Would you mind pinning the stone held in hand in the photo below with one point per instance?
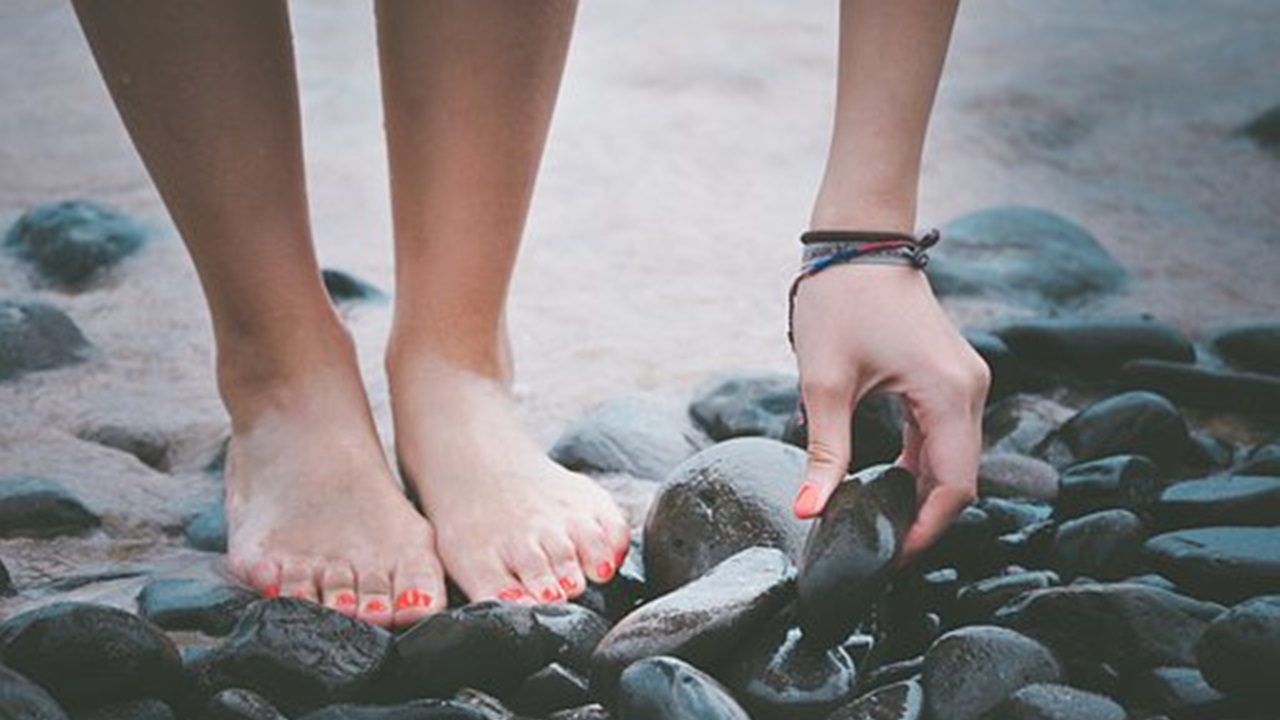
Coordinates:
(21, 699)
(71, 243)
(37, 336)
(1223, 564)
(702, 622)
(849, 554)
(732, 496)
(667, 688)
(969, 671)
(1240, 651)
(779, 677)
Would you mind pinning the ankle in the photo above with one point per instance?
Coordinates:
(487, 357)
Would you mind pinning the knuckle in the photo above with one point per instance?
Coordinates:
(817, 387)
(823, 455)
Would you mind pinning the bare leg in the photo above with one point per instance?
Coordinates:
(208, 92)
(469, 87)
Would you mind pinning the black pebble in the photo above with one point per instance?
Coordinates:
(780, 677)
(145, 709)
(1240, 651)
(665, 688)
(552, 688)
(1207, 388)
(71, 243)
(1254, 347)
(1130, 482)
(343, 287)
(1093, 349)
(207, 529)
(1135, 422)
(758, 405)
(21, 699)
(36, 507)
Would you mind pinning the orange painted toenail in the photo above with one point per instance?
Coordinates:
(511, 594)
(569, 584)
(345, 600)
(271, 591)
(375, 606)
(551, 594)
(604, 570)
(412, 598)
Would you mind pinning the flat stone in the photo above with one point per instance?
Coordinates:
(1046, 701)
(1133, 423)
(182, 604)
(667, 688)
(1206, 388)
(87, 656)
(1013, 515)
(779, 677)
(1092, 349)
(417, 710)
(1010, 475)
(702, 622)
(1240, 651)
(849, 554)
(239, 704)
(1229, 500)
(343, 287)
(754, 405)
(302, 656)
(70, 244)
(1253, 347)
(1129, 482)
(734, 495)
(1105, 545)
(977, 602)
(37, 336)
(207, 529)
(145, 709)
(21, 699)
(36, 507)
(969, 671)
(636, 436)
(1223, 564)
(899, 701)
(1002, 253)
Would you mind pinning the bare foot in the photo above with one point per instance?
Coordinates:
(313, 509)
(511, 524)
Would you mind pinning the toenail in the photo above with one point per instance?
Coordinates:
(511, 594)
(605, 570)
(551, 595)
(375, 606)
(271, 591)
(412, 598)
(345, 600)
(569, 584)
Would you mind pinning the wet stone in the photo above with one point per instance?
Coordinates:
(181, 604)
(70, 244)
(625, 592)
(758, 405)
(1010, 516)
(87, 656)
(36, 336)
(958, 678)
(1105, 545)
(21, 699)
(849, 554)
(145, 709)
(1045, 701)
(1010, 475)
(1093, 349)
(207, 529)
(1240, 651)
(1180, 692)
(593, 711)
(1130, 482)
(780, 677)
(702, 622)
(417, 710)
(302, 656)
(239, 704)
(876, 431)
(572, 633)
(970, 544)
(734, 495)
(978, 601)
(343, 287)
(899, 701)
(666, 688)
(635, 436)
(1261, 460)
(1002, 253)
(36, 507)
(1020, 423)
(1028, 547)
(1206, 388)
(1231, 500)
(1223, 564)
(552, 688)
(1253, 347)
(490, 646)
(1136, 422)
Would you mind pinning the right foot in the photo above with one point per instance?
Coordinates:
(313, 509)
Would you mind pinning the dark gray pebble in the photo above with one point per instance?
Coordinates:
(849, 554)
(1105, 545)
(635, 436)
(1265, 129)
(36, 336)
(552, 688)
(666, 688)
(1045, 701)
(895, 672)
(239, 704)
(1180, 692)
(207, 529)
(1007, 374)
(734, 495)
(1020, 423)
(1136, 422)
(1010, 475)
(145, 709)
(21, 699)
(1261, 460)
(69, 244)
(36, 507)
(302, 656)
(1229, 500)
(1012, 515)
(755, 405)
(780, 677)
(343, 287)
(150, 447)
(572, 633)
(1130, 482)
(1253, 347)
(969, 544)
(899, 701)
(87, 656)
(876, 431)
(978, 601)
(958, 678)
(1240, 651)
(1223, 564)
(592, 711)
(182, 604)
(702, 622)
(418, 710)
(1093, 349)
(1206, 388)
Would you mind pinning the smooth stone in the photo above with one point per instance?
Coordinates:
(239, 704)
(1253, 347)
(1105, 545)
(899, 701)
(1020, 423)
(149, 446)
(754, 405)
(849, 554)
(1093, 349)
(302, 656)
(21, 699)
(212, 608)
(71, 243)
(1180, 692)
(1229, 500)
(1240, 651)
(635, 436)
(1010, 475)
(625, 592)
(958, 678)
(572, 633)
(1261, 460)
(552, 688)
(876, 431)
(970, 544)
(779, 677)
(1135, 422)
(702, 622)
(1013, 515)
(733, 495)
(207, 529)
(91, 655)
(1126, 626)
(667, 688)
(1223, 564)
(1027, 547)
(490, 646)
(417, 710)
(1206, 388)
(1002, 252)
(145, 709)
(1007, 374)
(36, 336)
(40, 508)
(1130, 482)
(1046, 701)
(978, 601)
(1265, 129)
(343, 287)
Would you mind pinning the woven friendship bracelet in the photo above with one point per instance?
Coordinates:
(827, 248)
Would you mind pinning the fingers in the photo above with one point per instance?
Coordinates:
(828, 401)
(948, 470)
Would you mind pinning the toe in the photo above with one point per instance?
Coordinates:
(417, 593)
(486, 577)
(338, 588)
(298, 581)
(563, 556)
(264, 576)
(373, 599)
(531, 564)
(595, 551)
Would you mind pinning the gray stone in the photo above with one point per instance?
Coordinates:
(70, 244)
(1254, 347)
(21, 699)
(36, 507)
(1240, 651)
(666, 688)
(1020, 423)
(1092, 349)
(417, 710)
(779, 677)
(1230, 500)
(1045, 701)
(1203, 387)
(734, 495)
(1223, 564)
(634, 436)
(969, 671)
(182, 604)
(899, 701)
(1010, 475)
(145, 709)
(1129, 482)
(755, 405)
(36, 336)
(1181, 692)
(1105, 545)
(978, 601)
(1134, 423)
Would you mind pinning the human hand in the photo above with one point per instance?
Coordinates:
(865, 328)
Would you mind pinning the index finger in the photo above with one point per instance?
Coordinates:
(949, 468)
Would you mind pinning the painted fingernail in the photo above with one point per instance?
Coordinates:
(412, 598)
(345, 600)
(551, 595)
(604, 570)
(808, 501)
(569, 584)
(621, 556)
(511, 594)
(271, 591)
(375, 606)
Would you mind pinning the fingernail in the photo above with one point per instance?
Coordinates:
(569, 584)
(511, 594)
(271, 591)
(808, 501)
(605, 570)
(375, 606)
(551, 595)
(345, 600)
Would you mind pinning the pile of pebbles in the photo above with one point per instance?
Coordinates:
(1122, 561)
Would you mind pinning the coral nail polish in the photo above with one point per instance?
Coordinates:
(412, 598)
(808, 501)
(511, 594)
(345, 601)
(569, 584)
(551, 595)
(605, 570)
(375, 606)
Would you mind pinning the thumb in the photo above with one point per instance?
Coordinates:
(829, 414)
